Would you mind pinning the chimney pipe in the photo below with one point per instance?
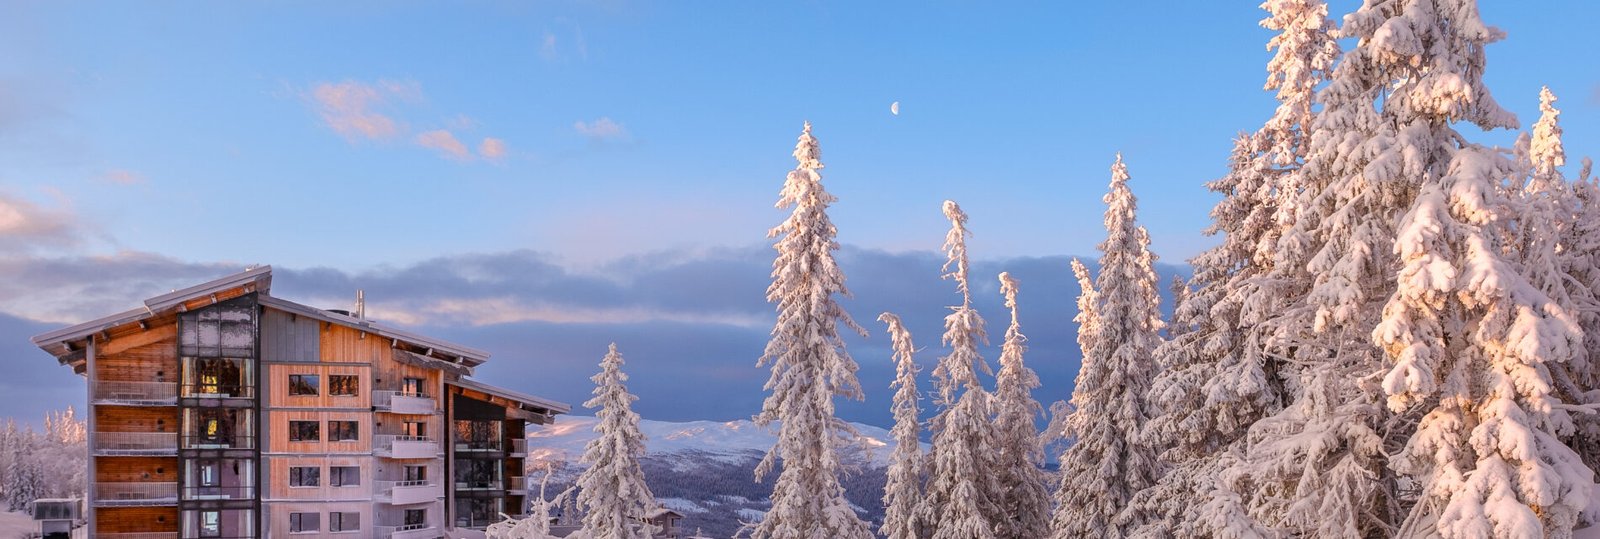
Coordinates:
(361, 305)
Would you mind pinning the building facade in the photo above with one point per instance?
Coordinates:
(219, 411)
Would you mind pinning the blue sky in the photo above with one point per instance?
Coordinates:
(387, 145)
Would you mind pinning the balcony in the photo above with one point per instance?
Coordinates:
(135, 443)
(218, 391)
(407, 531)
(398, 446)
(136, 393)
(517, 484)
(139, 535)
(220, 441)
(235, 492)
(407, 492)
(519, 448)
(403, 402)
(134, 494)
(480, 484)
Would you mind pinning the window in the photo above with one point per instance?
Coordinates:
(305, 476)
(411, 386)
(414, 428)
(416, 473)
(305, 522)
(344, 385)
(208, 474)
(344, 476)
(416, 517)
(304, 431)
(344, 522)
(303, 384)
(342, 431)
(211, 524)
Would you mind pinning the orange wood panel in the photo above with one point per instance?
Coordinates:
(136, 469)
(135, 419)
(136, 519)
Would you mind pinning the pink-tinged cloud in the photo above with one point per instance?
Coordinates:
(24, 225)
(445, 143)
(123, 177)
(601, 129)
(492, 148)
(347, 107)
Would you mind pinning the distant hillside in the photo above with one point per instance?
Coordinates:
(705, 469)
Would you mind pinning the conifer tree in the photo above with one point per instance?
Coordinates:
(613, 492)
(1019, 456)
(902, 490)
(1109, 461)
(961, 499)
(809, 366)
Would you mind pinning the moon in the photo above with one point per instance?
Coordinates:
(894, 108)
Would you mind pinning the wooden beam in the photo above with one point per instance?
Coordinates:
(138, 339)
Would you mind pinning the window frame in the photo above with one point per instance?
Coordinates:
(354, 428)
(355, 385)
(296, 436)
(336, 476)
(336, 521)
(299, 473)
(298, 385)
(298, 520)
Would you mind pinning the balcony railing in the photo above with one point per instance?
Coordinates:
(138, 535)
(219, 442)
(405, 531)
(402, 446)
(135, 494)
(136, 443)
(136, 393)
(517, 483)
(480, 484)
(519, 447)
(235, 492)
(403, 402)
(219, 391)
(479, 444)
(407, 492)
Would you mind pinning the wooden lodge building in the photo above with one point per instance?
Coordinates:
(221, 411)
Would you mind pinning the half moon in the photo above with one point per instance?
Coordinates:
(894, 108)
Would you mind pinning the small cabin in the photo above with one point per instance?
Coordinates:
(56, 516)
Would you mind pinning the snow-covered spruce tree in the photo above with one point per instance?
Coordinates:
(961, 501)
(1018, 453)
(809, 366)
(1109, 461)
(613, 493)
(902, 488)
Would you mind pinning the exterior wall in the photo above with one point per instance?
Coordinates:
(109, 520)
(277, 519)
(288, 337)
(280, 489)
(136, 469)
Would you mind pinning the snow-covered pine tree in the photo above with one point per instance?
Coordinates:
(961, 498)
(613, 493)
(1018, 454)
(902, 489)
(1220, 378)
(809, 366)
(23, 483)
(1109, 460)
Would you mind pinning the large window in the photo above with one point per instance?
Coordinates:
(216, 376)
(303, 384)
(414, 428)
(480, 474)
(344, 522)
(211, 524)
(477, 512)
(480, 435)
(416, 472)
(344, 476)
(343, 431)
(344, 385)
(416, 517)
(304, 431)
(227, 329)
(305, 476)
(412, 387)
(305, 522)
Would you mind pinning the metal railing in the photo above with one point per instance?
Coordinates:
(389, 531)
(135, 443)
(385, 486)
(406, 402)
(479, 484)
(517, 483)
(160, 393)
(226, 391)
(479, 444)
(235, 492)
(219, 442)
(135, 493)
(519, 446)
(138, 535)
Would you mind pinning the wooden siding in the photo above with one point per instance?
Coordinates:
(136, 520)
(136, 469)
(278, 487)
(346, 345)
(278, 386)
(280, 432)
(146, 356)
(289, 337)
(277, 521)
(135, 419)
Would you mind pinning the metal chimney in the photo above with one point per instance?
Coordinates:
(361, 305)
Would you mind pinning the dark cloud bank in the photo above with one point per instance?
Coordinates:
(690, 326)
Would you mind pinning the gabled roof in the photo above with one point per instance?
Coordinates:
(61, 342)
(553, 406)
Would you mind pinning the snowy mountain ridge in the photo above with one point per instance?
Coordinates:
(564, 440)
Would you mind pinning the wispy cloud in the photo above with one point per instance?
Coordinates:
(25, 225)
(349, 107)
(601, 129)
(492, 148)
(123, 177)
(547, 48)
(555, 47)
(445, 143)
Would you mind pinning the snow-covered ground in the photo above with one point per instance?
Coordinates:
(13, 525)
